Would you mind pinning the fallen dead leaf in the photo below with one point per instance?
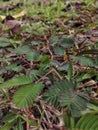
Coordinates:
(22, 13)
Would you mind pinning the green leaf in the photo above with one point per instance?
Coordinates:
(54, 40)
(14, 67)
(88, 122)
(66, 119)
(76, 102)
(70, 71)
(45, 59)
(26, 95)
(84, 60)
(4, 42)
(53, 94)
(85, 76)
(55, 63)
(63, 67)
(19, 125)
(67, 42)
(63, 94)
(33, 56)
(10, 117)
(91, 108)
(7, 126)
(9, 121)
(39, 73)
(2, 70)
(72, 123)
(1, 80)
(59, 50)
(23, 50)
(17, 81)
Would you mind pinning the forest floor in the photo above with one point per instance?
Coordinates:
(56, 43)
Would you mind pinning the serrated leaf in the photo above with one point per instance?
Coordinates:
(10, 117)
(85, 76)
(23, 50)
(19, 125)
(59, 50)
(63, 94)
(76, 102)
(87, 122)
(7, 126)
(54, 63)
(70, 71)
(84, 60)
(17, 81)
(26, 95)
(64, 67)
(14, 67)
(4, 42)
(67, 42)
(33, 56)
(44, 59)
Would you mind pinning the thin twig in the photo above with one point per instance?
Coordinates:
(44, 76)
(31, 117)
(48, 46)
(28, 116)
(51, 71)
(60, 77)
